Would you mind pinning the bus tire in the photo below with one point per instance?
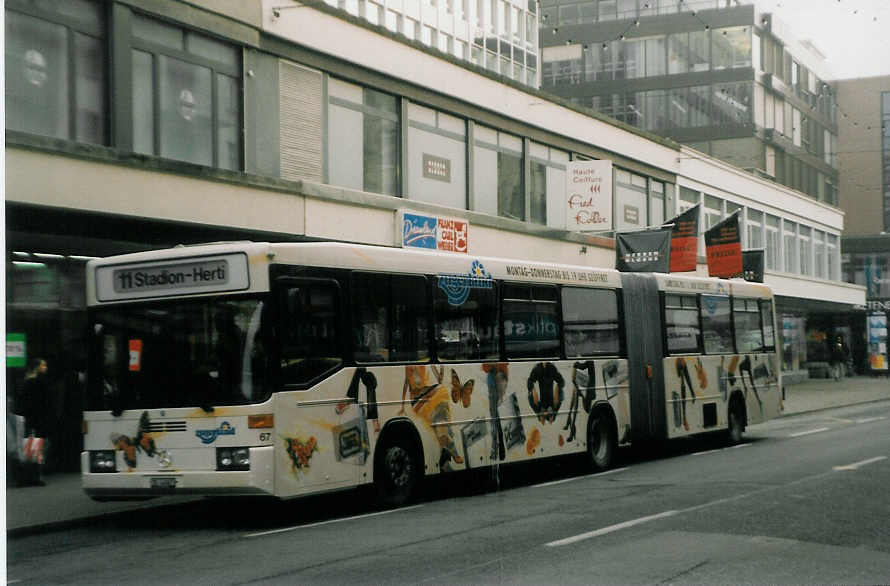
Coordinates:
(735, 419)
(397, 468)
(602, 441)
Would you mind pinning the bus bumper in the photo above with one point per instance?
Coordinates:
(142, 484)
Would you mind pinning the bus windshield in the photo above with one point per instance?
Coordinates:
(178, 353)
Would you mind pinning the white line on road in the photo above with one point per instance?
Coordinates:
(610, 529)
(860, 464)
(330, 521)
(551, 483)
(869, 419)
(808, 432)
(720, 450)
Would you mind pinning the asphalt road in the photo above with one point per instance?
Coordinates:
(804, 500)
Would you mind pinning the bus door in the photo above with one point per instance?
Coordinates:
(312, 410)
(645, 354)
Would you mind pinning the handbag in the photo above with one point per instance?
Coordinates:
(34, 448)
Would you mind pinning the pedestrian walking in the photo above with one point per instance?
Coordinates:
(34, 403)
(838, 357)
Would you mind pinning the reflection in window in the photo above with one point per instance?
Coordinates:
(466, 327)
(363, 139)
(746, 321)
(731, 47)
(310, 345)
(195, 82)
(389, 318)
(43, 58)
(716, 324)
(590, 318)
(681, 324)
(531, 321)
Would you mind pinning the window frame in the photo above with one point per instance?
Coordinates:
(156, 50)
(532, 302)
(354, 321)
(281, 284)
(699, 339)
(742, 305)
(102, 33)
(619, 323)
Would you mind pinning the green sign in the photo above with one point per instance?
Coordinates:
(15, 350)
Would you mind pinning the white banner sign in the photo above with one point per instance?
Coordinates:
(589, 196)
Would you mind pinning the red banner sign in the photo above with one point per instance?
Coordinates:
(684, 241)
(723, 244)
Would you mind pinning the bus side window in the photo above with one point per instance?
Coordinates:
(716, 323)
(531, 321)
(466, 325)
(681, 324)
(310, 344)
(390, 318)
(746, 321)
(590, 319)
(766, 319)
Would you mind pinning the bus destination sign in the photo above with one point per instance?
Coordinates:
(165, 278)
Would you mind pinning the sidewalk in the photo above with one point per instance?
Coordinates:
(62, 502)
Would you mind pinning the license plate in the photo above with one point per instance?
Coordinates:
(163, 483)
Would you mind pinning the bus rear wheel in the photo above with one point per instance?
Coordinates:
(396, 471)
(736, 422)
(601, 441)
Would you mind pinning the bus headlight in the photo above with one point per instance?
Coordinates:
(233, 458)
(102, 461)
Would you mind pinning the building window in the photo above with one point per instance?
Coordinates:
(56, 69)
(498, 185)
(363, 139)
(771, 253)
(186, 95)
(806, 254)
(547, 185)
(755, 229)
(731, 48)
(631, 201)
(789, 242)
(819, 254)
(437, 157)
(732, 103)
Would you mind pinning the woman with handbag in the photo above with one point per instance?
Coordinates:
(35, 406)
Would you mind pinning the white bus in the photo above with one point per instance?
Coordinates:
(292, 369)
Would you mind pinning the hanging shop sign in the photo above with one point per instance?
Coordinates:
(589, 196)
(684, 240)
(723, 246)
(16, 355)
(432, 232)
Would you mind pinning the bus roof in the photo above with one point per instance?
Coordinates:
(238, 267)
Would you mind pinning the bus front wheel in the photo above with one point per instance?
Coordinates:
(396, 471)
(601, 440)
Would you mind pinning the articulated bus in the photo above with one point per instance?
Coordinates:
(293, 369)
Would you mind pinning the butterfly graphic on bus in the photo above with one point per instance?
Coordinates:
(461, 392)
(143, 442)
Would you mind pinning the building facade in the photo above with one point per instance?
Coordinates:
(716, 75)
(498, 35)
(864, 162)
(134, 125)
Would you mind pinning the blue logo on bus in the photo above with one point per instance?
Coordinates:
(208, 436)
(457, 287)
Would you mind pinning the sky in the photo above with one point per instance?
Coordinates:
(854, 35)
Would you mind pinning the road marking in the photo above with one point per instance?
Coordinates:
(860, 464)
(720, 449)
(869, 419)
(808, 432)
(307, 526)
(551, 483)
(610, 529)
